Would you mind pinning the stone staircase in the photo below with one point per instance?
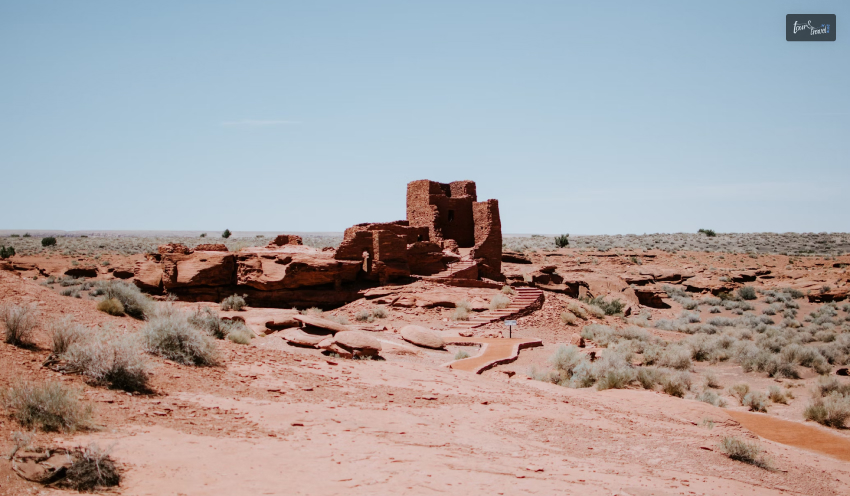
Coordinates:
(459, 269)
(521, 303)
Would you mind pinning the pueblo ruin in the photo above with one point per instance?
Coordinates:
(448, 235)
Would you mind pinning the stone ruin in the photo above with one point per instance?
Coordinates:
(445, 224)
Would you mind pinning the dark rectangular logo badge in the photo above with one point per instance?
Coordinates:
(810, 27)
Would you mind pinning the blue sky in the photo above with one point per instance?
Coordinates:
(580, 117)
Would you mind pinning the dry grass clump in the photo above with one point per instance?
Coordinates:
(104, 358)
(743, 451)
(508, 290)
(462, 310)
(92, 469)
(577, 310)
(112, 306)
(568, 318)
(776, 395)
(460, 355)
(170, 335)
(49, 406)
(63, 333)
(756, 401)
(831, 403)
(18, 323)
(136, 304)
(207, 320)
(712, 398)
(234, 302)
(366, 315)
(499, 302)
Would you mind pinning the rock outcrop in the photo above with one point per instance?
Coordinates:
(422, 336)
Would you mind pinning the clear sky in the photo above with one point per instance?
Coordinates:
(582, 117)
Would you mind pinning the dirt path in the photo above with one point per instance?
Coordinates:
(795, 434)
(495, 351)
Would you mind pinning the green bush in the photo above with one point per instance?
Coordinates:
(562, 241)
(226, 234)
(48, 241)
(613, 307)
(708, 232)
(7, 252)
(49, 406)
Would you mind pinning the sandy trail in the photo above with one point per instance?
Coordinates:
(797, 434)
(494, 351)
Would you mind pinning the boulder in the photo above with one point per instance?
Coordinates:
(319, 322)
(298, 337)
(179, 248)
(203, 268)
(422, 336)
(651, 296)
(272, 271)
(211, 247)
(514, 257)
(701, 284)
(286, 239)
(82, 271)
(357, 343)
(148, 276)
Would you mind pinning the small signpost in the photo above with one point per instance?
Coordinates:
(510, 324)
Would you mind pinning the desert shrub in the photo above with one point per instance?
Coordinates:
(743, 451)
(339, 319)
(568, 318)
(313, 311)
(136, 304)
(508, 290)
(598, 333)
(829, 385)
(562, 241)
(169, 334)
(739, 391)
(240, 334)
(208, 320)
(711, 380)
(676, 357)
(233, 302)
(461, 354)
(499, 302)
(106, 359)
(756, 401)
(48, 241)
(708, 232)
(63, 333)
(613, 307)
(615, 377)
(648, 377)
(747, 293)
(18, 323)
(112, 306)
(226, 234)
(776, 395)
(676, 384)
(462, 310)
(712, 398)
(364, 316)
(577, 310)
(566, 359)
(380, 313)
(690, 317)
(73, 292)
(831, 411)
(721, 321)
(91, 469)
(49, 406)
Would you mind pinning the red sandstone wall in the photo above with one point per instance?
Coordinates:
(488, 238)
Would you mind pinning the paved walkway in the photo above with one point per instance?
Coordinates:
(806, 436)
(494, 351)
